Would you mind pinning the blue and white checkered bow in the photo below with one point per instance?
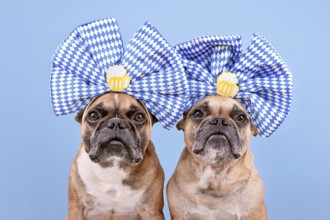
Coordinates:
(154, 69)
(264, 82)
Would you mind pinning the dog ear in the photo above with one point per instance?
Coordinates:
(254, 130)
(182, 123)
(153, 119)
(79, 116)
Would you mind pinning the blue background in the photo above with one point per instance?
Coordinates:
(37, 147)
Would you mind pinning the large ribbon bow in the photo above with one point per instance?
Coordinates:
(258, 78)
(92, 61)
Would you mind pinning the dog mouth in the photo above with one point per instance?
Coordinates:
(215, 141)
(115, 147)
(219, 146)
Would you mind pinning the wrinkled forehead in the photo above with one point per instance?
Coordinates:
(116, 101)
(219, 103)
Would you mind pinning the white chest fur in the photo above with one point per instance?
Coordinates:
(106, 187)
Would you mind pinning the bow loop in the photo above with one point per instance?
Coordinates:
(262, 71)
(92, 61)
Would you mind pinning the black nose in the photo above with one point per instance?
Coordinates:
(219, 121)
(117, 123)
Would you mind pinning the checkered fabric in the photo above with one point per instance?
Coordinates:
(157, 74)
(264, 80)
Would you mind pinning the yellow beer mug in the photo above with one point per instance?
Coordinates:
(117, 78)
(227, 84)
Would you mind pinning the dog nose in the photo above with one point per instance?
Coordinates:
(219, 121)
(117, 123)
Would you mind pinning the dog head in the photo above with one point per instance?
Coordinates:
(217, 130)
(115, 126)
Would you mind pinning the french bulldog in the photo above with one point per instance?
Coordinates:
(215, 177)
(116, 173)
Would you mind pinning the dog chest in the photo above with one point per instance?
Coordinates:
(233, 205)
(105, 187)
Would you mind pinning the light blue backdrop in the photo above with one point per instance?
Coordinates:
(37, 147)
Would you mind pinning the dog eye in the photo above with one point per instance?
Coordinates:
(241, 118)
(139, 117)
(198, 114)
(93, 116)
